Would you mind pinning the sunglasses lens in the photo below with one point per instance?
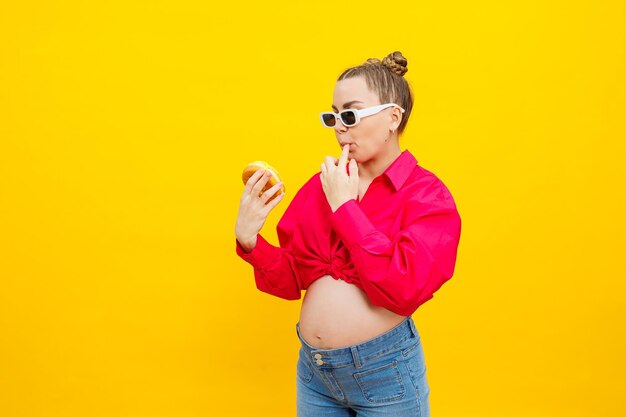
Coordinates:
(329, 119)
(348, 117)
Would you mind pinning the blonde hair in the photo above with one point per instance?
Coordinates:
(385, 78)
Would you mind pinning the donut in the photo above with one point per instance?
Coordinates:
(254, 166)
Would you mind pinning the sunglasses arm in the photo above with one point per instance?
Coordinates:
(376, 109)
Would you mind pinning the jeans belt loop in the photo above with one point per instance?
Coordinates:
(355, 357)
(412, 326)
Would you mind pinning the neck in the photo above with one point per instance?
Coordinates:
(376, 166)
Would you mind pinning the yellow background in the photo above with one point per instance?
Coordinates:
(124, 127)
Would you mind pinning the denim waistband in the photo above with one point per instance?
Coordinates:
(366, 350)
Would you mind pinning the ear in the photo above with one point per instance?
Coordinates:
(396, 117)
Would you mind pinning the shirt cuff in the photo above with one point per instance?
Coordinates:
(351, 223)
(261, 256)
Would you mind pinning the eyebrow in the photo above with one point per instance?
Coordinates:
(348, 104)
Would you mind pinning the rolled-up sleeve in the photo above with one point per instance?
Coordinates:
(403, 271)
(275, 267)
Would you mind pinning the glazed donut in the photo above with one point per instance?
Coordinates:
(254, 166)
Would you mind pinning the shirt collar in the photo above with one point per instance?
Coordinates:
(400, 169)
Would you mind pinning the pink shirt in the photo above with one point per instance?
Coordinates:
(398, 244)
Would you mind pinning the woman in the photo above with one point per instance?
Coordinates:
(370, 241)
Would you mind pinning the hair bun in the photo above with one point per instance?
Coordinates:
(396, 62)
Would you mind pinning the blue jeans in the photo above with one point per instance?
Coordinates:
(382, 376)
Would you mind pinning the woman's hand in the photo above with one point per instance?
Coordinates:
(338, 186)
(253, 209)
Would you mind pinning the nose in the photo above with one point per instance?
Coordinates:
(339, 126)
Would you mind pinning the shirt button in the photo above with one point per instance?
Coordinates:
(320, 362)
(318, 356)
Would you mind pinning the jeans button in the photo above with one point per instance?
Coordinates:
(319, 362)
(318, 356)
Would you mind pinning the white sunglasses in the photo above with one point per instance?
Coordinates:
(351, 117)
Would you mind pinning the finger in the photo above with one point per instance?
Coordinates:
(253, 178)
(272, 203)
(256, 190)
(323, 168)
(271, 191)
(353, 167)
(343, 159)
(330, 163)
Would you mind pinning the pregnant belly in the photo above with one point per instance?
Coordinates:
(337, 314)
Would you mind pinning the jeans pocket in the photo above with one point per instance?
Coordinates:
(304, 370)
(381, 384)
(409, 346)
